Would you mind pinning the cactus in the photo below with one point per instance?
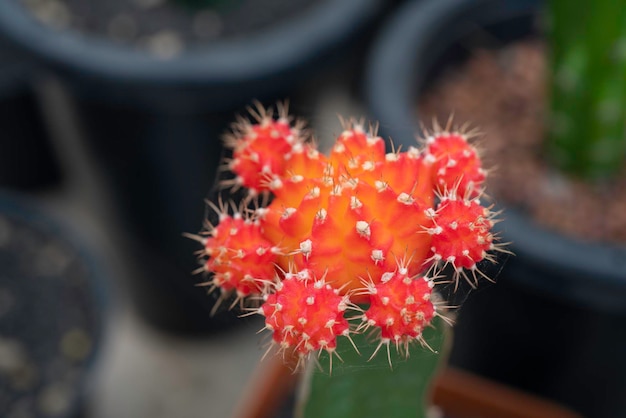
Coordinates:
(351, 248)
(305, 314)
(239, 257)
(587, 134)
(366, 386)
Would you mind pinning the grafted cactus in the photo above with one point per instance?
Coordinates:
(352, 242)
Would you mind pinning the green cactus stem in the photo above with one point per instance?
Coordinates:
(587, 130)
(357, 388)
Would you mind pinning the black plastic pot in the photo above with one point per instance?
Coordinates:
(53, 309)
(553, 323)
(155, 126)
(224, 74)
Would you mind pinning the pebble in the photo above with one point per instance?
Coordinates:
(25, 378)
(165, 44)
(76, 344)
(52, 12)
(52, 260)
(12, 355)
(54, 399)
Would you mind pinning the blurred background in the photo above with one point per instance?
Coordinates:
(111, 119)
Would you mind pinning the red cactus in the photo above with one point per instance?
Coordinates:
(346, 217)
(456, 164)
(260, 151)
(461, 233)
(305, 314)
(400, 306)
(240, 259)
(358, 216)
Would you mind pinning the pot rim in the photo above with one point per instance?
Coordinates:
(277, 49)
(590, 273)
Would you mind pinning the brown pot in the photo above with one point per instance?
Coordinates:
(455, 392)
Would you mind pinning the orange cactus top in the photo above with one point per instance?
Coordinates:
(357, 226)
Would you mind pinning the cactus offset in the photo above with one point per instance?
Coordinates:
(356, 227)
(240, 259)
(455, 163)
(260, 150)
(400, 307)
(305, 313)
(461, 234)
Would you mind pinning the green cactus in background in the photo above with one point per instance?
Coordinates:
(588, 91)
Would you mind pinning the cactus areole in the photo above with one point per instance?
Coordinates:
(352, 241)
